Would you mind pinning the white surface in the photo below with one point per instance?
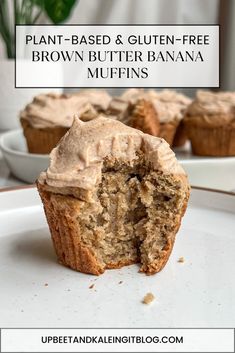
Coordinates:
(197, 293)
(218, 173)
(209, 172)
(23, 165)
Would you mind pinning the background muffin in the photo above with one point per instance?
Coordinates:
(49, 116)
(170, 107)
(210, 124)
(144, 117)
(99, 99)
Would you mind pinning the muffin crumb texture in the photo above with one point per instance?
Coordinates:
(148, 298)
(133, 217)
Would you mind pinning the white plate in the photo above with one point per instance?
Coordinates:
(197, 293)
(208, 172)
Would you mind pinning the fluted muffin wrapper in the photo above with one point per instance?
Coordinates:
(180, 137)
(62, 213)
(212, 141)
(42, 140)
(168, 130)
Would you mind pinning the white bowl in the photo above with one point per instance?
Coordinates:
(23, 165)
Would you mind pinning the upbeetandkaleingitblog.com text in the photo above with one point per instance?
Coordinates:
(120, 56)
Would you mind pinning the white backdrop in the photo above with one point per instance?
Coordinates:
(141, 12)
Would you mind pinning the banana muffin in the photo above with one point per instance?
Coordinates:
(144, 117)
(98, 98)
(170, 107)
(210, 124)
(113, 196)
(49, 116)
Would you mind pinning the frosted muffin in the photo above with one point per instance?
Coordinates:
(144, 117)
(120, 109)
(139, 115)
(170, 107)
(210, 124)
(113, 196)
(99, 99)
(136, 110)
(49, 116)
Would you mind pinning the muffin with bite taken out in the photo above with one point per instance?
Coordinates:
(113, 196)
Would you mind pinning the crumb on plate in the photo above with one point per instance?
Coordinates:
(148, 298)
(181, 259)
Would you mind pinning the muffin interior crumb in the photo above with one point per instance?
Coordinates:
(134, 216)
(148, 298)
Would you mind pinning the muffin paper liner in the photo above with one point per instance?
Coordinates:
(42, 141)
(180, 137)
(213, 141)
(168, 130)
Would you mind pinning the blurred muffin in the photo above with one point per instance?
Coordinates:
(120, 109)
(49, 116)
(99, 99)
(180, 137)
(170, 107)
(144, 117)
(133, 94)
(210, 124)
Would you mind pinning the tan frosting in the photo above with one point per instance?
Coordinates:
(100, 99)
(170, 96)
(48, 110)
(133, 94)
(169, 104)
(77, 160)
(210, 103)
(120, 108)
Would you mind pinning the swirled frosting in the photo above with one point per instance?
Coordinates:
(210, 103)
(77, 160)
(133, 94)
(99, 99)
(169, 104)
(49, 110)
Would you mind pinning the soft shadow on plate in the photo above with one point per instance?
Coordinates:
(34, 246)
